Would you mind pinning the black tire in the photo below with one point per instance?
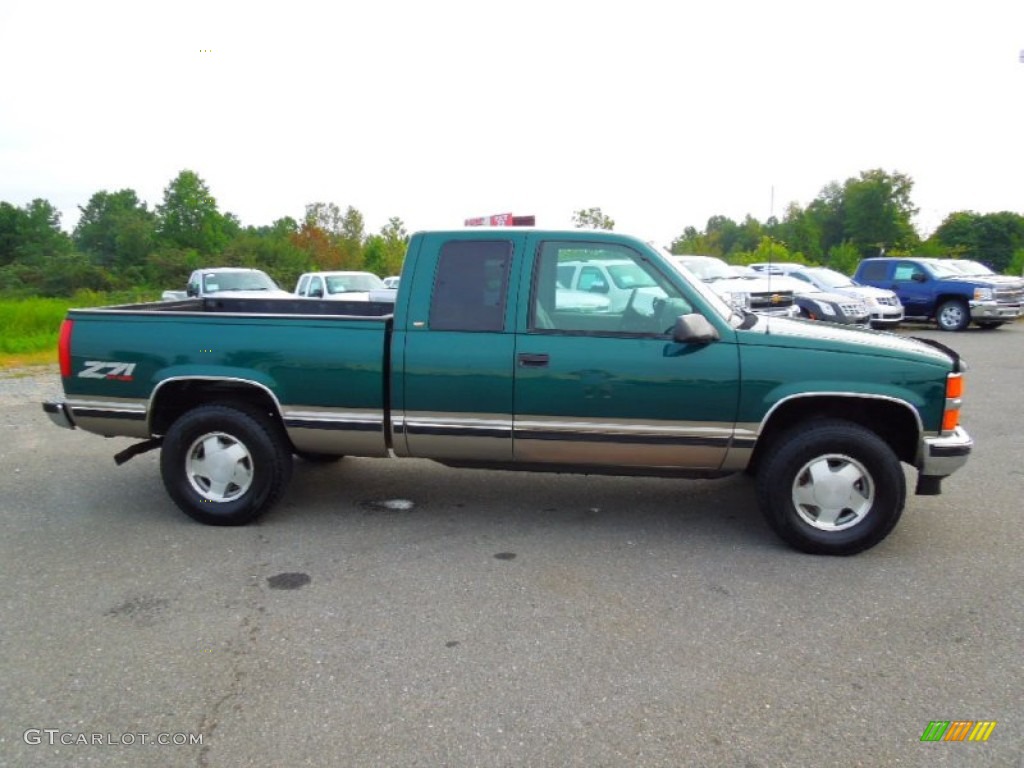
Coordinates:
(953, 315)
(840, 464)
(318, 458)
(246, 475)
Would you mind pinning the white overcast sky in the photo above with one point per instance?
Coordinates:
(661, 112)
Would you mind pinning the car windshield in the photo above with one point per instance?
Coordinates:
(351, 283)
(218, 282)
(830, 279)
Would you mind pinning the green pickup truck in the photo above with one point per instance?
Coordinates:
(482, 361)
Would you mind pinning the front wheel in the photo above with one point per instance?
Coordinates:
(953, 315)
(224, 466)
(831, 488)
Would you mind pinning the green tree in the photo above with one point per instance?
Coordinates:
(991, 238)
(767, 250)
(189, 219)
(877, 212)
(115, 229)
(31, 234)
(396, 242)
(592, 218)
(351, 239)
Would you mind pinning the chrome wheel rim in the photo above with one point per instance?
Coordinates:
(952, 316)
(219, 467)
(833, 492)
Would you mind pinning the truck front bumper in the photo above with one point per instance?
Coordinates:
(59, 413)
(990, 310)
(941, 456)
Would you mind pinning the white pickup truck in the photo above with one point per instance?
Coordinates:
(238, 282)
(344, 286)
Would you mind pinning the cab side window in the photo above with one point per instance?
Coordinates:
(616, 291)
(907, 271)
(471, 286)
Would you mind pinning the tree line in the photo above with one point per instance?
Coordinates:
(119, 243)
(867, 215)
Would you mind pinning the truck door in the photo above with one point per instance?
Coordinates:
(607, 385)
(912, 284)
(455, 398)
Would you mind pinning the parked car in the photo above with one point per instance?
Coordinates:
(238, 282)
(807, 300)
(343, 286)
(827, 306)
(932, 289)
(756, 294)
(884, 306)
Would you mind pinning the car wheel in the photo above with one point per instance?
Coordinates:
(223, 465)
(831, 488)
(318, 458)
(953, 315)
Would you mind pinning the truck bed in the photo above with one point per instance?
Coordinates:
(249, 306)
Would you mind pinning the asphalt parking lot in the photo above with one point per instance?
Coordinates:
(502, 619)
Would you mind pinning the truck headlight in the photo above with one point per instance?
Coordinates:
(983, 294)
(825, 307)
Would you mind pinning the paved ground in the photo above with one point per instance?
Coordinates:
(503, 619)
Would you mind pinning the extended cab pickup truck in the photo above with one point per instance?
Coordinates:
(476, 365)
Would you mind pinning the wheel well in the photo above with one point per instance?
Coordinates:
(891, 421)
(943, 298)
(176, 397)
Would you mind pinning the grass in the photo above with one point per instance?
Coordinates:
(29, 327)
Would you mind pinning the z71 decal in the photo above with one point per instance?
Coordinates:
(99, 369)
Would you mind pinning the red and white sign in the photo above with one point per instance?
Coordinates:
(497, 220)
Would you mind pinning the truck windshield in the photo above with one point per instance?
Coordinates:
(217, 282)
(350, 283)
(970, 268)
(942, 269)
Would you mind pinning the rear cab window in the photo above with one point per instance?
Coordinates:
(471, 286)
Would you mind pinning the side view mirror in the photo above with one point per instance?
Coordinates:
(694, 329)
(919, 277)
(191, 289)
(316, 293)
(598, 287)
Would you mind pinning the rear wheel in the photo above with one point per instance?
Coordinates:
(225, 466)
(831, 488)
(953, 315)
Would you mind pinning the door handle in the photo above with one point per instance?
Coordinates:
(528, 360)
